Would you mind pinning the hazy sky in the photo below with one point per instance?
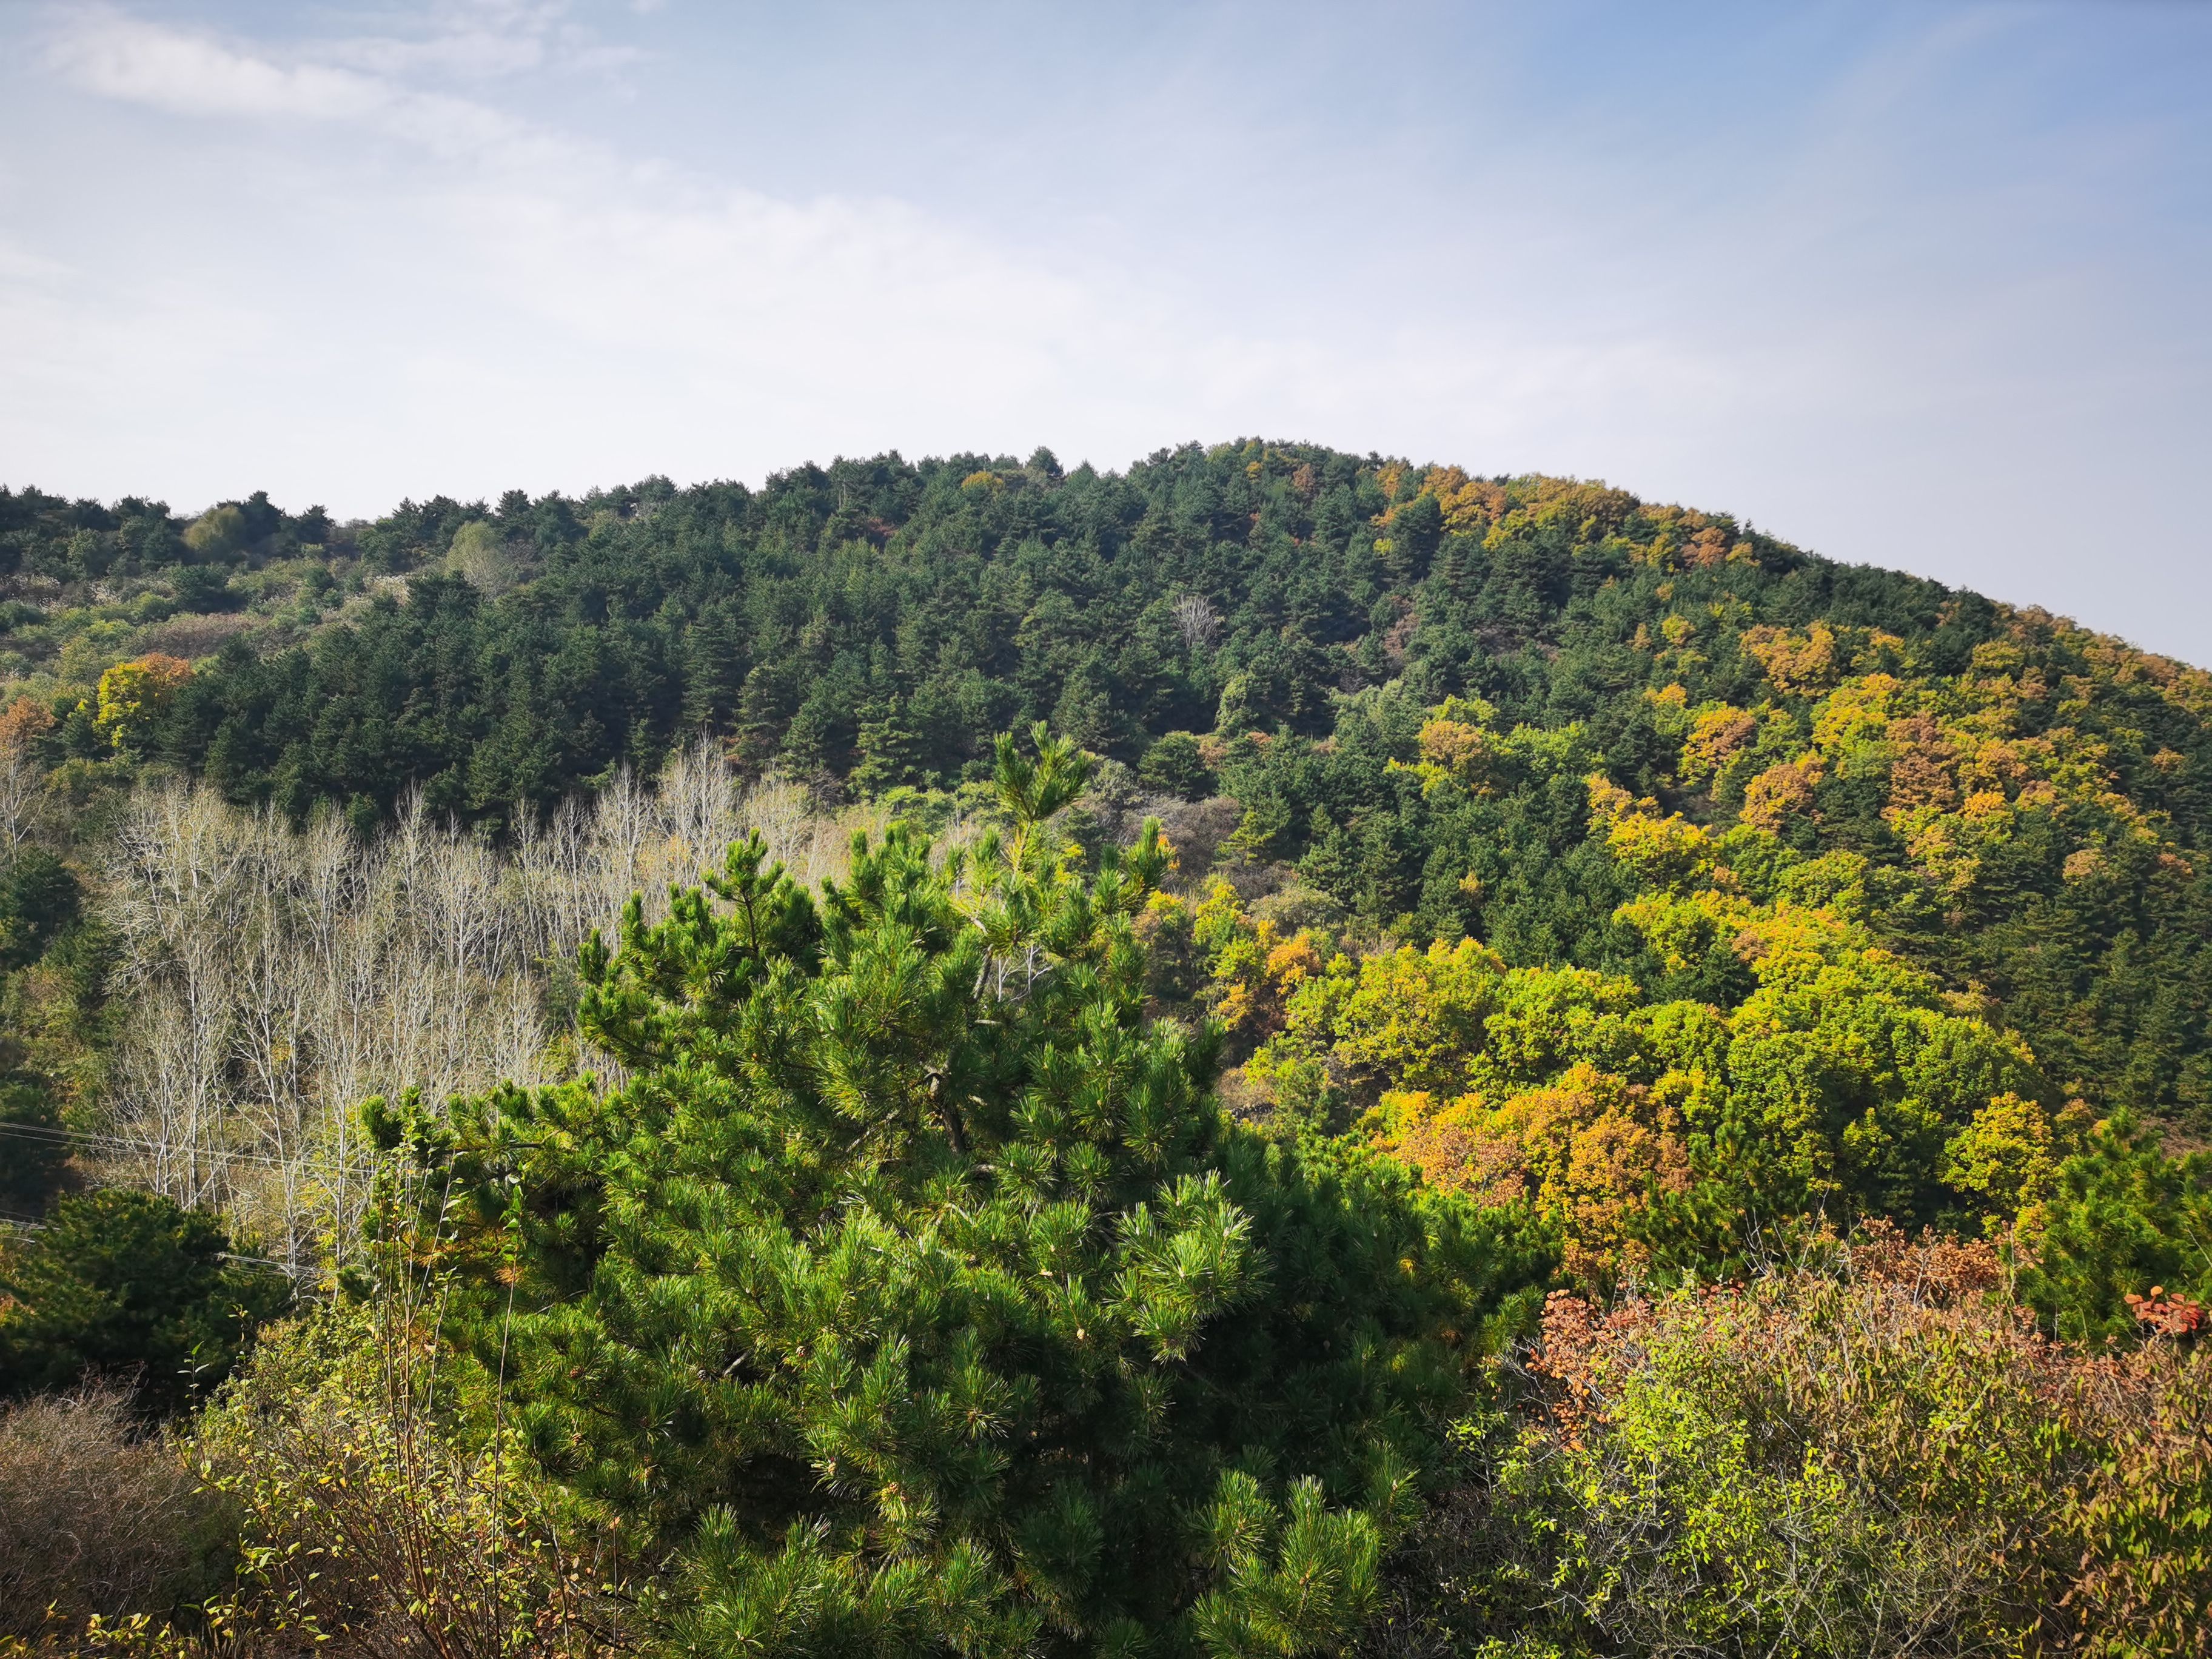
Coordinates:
(1924, 284)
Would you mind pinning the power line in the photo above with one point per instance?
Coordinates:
(51, 1135)
(291, 1270)
(54, 1134)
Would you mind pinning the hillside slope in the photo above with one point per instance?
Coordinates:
(1446, 706)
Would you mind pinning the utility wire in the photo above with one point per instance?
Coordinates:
(50, 1135)
(53, 1135)
(290, 1270)
(25, 1224)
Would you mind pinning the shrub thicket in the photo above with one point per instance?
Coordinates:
(98, 1517)
(1877, 1455)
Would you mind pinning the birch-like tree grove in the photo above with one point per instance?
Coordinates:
(272, 978)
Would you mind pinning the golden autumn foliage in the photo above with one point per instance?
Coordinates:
(2011, 1153)
(1781, 792)
(1957, 770)
(132, 693)
(1715, 735)
(1461, 744)
(1588, 1149)
(1244, 969)
(1463, 750)
(1796, 664)
(1665, 851)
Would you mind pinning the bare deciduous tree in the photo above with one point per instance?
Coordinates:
(279, 976)
(1197, 621)
(21, 782)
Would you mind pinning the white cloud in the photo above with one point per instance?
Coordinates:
(725, 322)
(346, 269)
(191, 75)
(115, 55)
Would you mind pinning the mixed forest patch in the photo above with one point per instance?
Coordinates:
(1100, 1191)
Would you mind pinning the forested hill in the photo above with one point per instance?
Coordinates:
(1580, 728)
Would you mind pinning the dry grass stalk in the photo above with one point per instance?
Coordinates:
(96, 1516)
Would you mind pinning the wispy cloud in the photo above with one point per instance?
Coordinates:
(483, 40)
(402, 248)
(118, 57)
(738, 314)
(112, 54)
(632, 255)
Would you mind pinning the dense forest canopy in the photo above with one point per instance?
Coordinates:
(2016, 804)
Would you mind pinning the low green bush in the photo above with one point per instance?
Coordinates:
(128, 1287)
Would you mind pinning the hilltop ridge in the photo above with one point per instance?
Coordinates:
(2027, 801)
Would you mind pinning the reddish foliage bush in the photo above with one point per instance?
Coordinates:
(1875, 1452)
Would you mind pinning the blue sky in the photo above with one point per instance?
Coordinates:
(1923, 285)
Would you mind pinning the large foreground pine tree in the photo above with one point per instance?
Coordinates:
(912, 1296)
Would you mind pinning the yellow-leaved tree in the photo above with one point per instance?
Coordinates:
(132, 693)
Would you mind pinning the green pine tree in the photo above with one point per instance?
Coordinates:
(33, 1145)
(127, 1284)
(890, 748)
(714, 674)
(764, 708)
(2126, 1220)
(914, 1295)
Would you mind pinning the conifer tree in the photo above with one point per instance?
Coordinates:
(2127, 1225)
(889, 747)
(128, 1285)
(713, 673)
(33, 1146)
(913, 1294)
(764, 708)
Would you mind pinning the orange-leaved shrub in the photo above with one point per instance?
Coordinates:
(1873, 1453)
